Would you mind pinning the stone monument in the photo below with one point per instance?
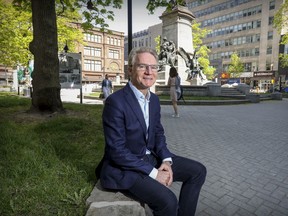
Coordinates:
(176, 29)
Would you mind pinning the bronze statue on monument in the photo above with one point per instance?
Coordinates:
(168, 53)
(194, 68)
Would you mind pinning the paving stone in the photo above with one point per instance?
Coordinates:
(268, 198)
(277, 208)
(230, 209)
(244, 148)
(263, 211)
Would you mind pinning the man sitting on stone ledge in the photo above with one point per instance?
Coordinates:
(137, 161)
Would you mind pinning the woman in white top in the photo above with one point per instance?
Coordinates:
(173, 84)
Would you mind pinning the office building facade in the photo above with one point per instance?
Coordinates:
(143, 38)
(244, 27)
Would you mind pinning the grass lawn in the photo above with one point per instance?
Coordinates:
(47, 162)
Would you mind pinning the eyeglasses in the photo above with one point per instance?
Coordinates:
(145, 67)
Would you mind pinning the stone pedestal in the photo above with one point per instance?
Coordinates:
(213, 89)
(245, 89)
(177, 27)
(254, 98)
(196, 81)
(276, 96)
(163, 75)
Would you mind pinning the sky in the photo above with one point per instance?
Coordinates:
(141, 19)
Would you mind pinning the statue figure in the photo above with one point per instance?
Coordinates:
(168, 53)
(193, 65)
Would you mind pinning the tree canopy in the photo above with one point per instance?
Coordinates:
(202, 50)
(280, 23)
(15, 34)
(236, 67)
(153, 4)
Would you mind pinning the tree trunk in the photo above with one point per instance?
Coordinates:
(45, 77)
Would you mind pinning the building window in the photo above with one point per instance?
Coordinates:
(270, 35)
(272, 5)
(270, 20)
(247, 67)
(235, 28)
(269, 66)
(93, 38)
(92, 65)
(92, 51)
(269, 50)
(108, 40)
(114, 54)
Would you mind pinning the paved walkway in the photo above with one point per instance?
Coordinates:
(245, 150)
(72, 96)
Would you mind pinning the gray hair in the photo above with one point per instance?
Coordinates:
(138, 50)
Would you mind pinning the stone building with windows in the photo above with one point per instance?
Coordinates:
(102, 53)
(244, 27)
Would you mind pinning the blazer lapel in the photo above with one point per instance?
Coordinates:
(151, 115)
(134, 104)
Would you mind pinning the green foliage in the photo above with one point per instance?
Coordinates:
(7, 102)
(283, 59)
(15, 34)
(97, 14)
(158, 43)
(202, 51)
(280, 23)
(281, 17)
(47, 162)
(16, 26)
(198, 34)
(236, 67)
(153, 4)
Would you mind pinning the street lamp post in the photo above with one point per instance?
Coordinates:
(129, 26)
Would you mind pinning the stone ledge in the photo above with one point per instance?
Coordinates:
(276, 96)
(106, 202)
(254, 98)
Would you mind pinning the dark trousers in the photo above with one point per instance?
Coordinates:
(161, 199)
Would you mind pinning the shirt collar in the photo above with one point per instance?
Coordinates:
(139, 95)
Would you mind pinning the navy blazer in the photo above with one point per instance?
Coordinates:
(105, 84)
(125, 137)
